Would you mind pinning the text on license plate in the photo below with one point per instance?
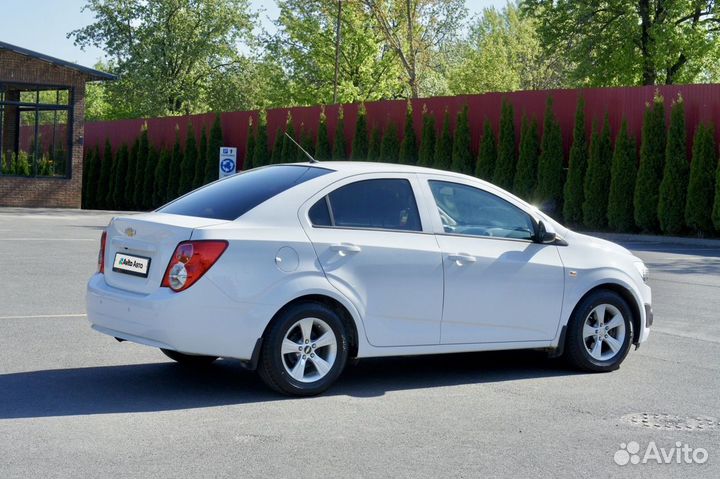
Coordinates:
(136, 265)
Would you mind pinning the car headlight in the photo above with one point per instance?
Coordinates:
(643, 270)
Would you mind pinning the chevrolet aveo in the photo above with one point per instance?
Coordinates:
(297, 268)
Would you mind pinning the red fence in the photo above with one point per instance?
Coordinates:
(702, 103)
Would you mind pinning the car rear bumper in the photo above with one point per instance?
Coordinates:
(192, 321)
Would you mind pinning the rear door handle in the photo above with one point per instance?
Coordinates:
(462, 258)
(345, 248)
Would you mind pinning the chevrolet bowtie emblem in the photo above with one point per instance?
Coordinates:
(130, 232)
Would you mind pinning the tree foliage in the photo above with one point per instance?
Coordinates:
(215, 141)
(201, 160)
(120, 177)
(650, 171)
(526, 174)
(701, 189)
(322, 148)
(101, 194)
(427, 142)
(673, 188)
(504, 172)
(550, 179)
(462, 157)
(623, 172)
(339, 152)
(160, 191)
(176, 159)
(261, 154)
(190, 158)
(149, 179)
(390, 146)
(444, 145)
(249, 146)
(577, 166)
(374, 146)
(597, 178)
(408, 146)
(360, 139)
(487, 153)
(288, 151)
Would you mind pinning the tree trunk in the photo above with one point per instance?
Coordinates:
(649, 74)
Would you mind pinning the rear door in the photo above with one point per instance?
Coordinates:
(372, 244)
(148, 240)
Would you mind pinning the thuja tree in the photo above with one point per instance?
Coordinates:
(202, 159)
(716, 203)
(110, 198)
(121, 171)
(249, 146)
(577, 166)
(86, 166)
(597, 178)
(141, 166)
(487, 153)
(103, 183)
(699, 204)
(215, 141)
(427, 142)
(277, 147)
(288, 151)
(160, 193)
(261, 155)
(93, 175)
(308, 143)
(187, 167)
(504, 172)
(623, 172)
(673, 188)
(374, 146)
(149, 179)
(526, 173)
(339, 152)
(322, 148)
(444, 145)
(176, 158)
(408, 147)
(550, 178)
(650, 172)
(129, 194)
(462, 157)
(390, 146)
(360, 139)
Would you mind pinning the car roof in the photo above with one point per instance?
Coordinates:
(353, 167)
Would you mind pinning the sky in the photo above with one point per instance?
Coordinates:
(43, 25)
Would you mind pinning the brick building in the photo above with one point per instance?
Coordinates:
(42, 116)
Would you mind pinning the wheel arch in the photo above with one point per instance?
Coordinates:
(626, 294)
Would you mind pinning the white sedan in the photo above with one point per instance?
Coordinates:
(296, 268)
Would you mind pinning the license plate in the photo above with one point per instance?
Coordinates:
(128, 264)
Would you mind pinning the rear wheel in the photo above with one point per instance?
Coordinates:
(599, 332)
(188, 359)
(304, 351)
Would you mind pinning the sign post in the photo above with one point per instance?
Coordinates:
(228, 161)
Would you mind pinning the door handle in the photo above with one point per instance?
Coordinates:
(344, 248)
(462, 258)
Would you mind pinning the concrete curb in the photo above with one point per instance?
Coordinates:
(650, 239)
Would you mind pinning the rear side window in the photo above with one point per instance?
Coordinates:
(377, 204)
(232, 197)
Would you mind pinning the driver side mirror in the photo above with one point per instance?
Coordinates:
(544, 234)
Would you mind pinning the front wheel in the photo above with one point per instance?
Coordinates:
(599, 332)
(304, 351)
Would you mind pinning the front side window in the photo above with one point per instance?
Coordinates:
(376, 204)
(471, 211)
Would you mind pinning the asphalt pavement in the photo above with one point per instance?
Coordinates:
(75, 403)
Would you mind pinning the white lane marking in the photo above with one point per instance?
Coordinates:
(48, 239)
(41, 316)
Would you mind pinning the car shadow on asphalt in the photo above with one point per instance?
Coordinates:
(168, 386)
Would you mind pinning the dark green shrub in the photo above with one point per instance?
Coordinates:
(551, 175)
(93, 177)
(673, 188)
(141, 167)
(288, 153)
(462, 157)
(261, 155)
(130, 184)
(103, 186)
(444, 146)
(249, 146)
(427, 142)
(276, 155)
(390, 146)
(374, 146)
(215, 142)
(623, 172)
(339, 151)
(322, 150)
(650, 172)
(149, 180)
(526, 173)
(577, 166)
(699, 205)
(716, 203)
(408, 146)
(121, 173)
(597, 178)
(160, 193)
(202, 160)
(176, 159)
(360, 140)
(308, 144)
(487, 153)
(504, 173)
(187, 167)
(8, 168)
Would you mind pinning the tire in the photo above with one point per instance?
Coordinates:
(588, 326)
(320, 337)
(194, 360)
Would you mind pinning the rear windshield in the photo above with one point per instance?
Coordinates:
(232, 197)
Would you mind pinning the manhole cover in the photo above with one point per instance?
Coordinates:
(670, 422)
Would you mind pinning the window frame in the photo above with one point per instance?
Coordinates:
(420, 202)
(439, 229)
(38, 107)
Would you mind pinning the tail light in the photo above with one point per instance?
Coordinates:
(101, 253)
(190, 262)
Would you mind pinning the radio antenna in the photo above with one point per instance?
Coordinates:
(312, 160)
